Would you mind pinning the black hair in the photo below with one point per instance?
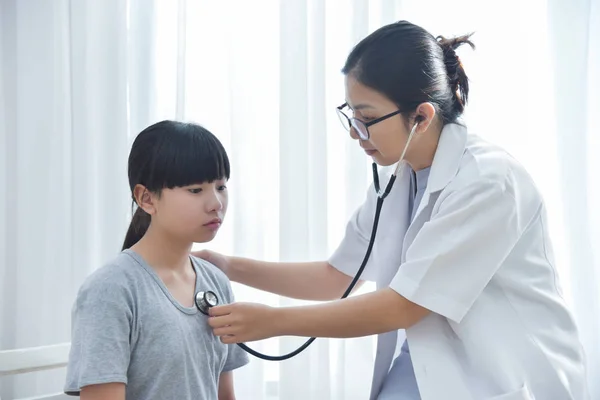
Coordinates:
(408, 65)
(172, 154)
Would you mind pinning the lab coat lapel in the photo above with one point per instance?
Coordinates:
(446, 162)
(449, 153)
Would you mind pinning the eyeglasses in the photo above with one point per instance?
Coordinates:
(361, 127)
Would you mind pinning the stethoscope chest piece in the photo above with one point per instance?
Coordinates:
(205, 300)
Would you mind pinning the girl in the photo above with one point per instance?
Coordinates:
(136, 333)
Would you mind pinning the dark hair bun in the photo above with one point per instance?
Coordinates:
(456, 73)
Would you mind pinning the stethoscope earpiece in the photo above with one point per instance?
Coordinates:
(205, 300)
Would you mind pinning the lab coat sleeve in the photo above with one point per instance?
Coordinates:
(457, 252)
(350, 252)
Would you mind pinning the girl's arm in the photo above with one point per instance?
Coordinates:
(112, 391)
(226, 391)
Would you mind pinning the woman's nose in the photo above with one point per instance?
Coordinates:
(353, 133)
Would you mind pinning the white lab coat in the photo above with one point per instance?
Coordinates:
(478, 256)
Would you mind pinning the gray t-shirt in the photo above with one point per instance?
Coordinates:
(127, 327)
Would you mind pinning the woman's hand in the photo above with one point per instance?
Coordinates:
(383, 310)
(244, 322)
(218, 259)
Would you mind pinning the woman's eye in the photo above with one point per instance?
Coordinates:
(195, 190)
(363, 117)
(222, 187)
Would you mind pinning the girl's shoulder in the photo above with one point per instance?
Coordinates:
(115, 278)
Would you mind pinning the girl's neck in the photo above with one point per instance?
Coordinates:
(164, 252)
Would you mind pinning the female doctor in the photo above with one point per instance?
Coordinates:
(466, 280)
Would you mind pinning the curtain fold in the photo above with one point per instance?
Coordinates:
(575, 39)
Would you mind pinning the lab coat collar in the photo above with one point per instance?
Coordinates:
(451, 147)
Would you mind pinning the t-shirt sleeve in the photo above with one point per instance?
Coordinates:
(456, 253)
(101, 321)
(236, 357)
(351, 251)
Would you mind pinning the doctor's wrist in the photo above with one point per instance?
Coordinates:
(281, 321)
(287, 321)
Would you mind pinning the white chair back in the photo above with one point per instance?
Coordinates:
(21, 361)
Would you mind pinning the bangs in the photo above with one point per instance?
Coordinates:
(183, 154)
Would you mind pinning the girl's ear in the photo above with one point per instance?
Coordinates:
(144, 199)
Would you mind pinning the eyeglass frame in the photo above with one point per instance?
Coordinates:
(365, 124)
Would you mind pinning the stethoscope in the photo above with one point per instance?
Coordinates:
(205, 300)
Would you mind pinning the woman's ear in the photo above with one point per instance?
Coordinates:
(424, 116)
(144, 199)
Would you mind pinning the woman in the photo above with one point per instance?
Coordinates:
(136, 331)
(466, 281)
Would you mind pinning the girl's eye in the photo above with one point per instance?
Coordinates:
(195, 190)
(222, 187)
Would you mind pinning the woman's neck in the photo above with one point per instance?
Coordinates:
(163, 252)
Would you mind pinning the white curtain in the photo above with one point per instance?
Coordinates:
(78, 79)
(63, 149)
